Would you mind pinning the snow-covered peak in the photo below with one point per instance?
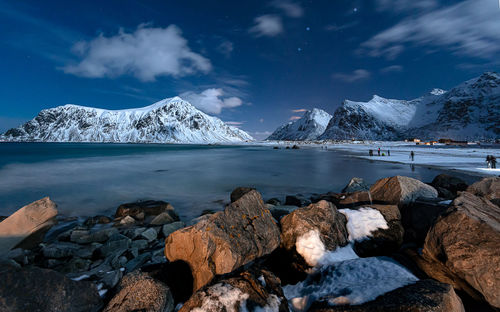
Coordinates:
(437, 91)
(309, 127)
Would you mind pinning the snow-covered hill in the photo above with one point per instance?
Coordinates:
(469, 111)
(309, 127)
(171, 120)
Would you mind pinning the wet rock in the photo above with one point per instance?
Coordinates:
(280, 211)
(383, 242)
(226, 240)
(80, 236)
(488, 188)
(91, 221)
(400, 190)
(137, 262)
(139, 244)
(111, 278)
(102, 235)
(59, 250)
(162, 218)
(19, 255)
(139, 292)
(116, 243)
(87, 252)
(356, 185)
(355, 199)
(150, 234)
(450, 183)
(422, 296)
(274, 201)
(238, 192)
(297, 200)
(168, 229)
(134, 232)
(418, 217)
(147, 208)
(34, 289)
(26, 227)
(75, 265)
(463, 246)
(254, 290)
(127, 220)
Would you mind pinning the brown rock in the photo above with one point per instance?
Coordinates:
(142, 209)
(226, 240)
(450, 183)
(488, 188)
(464, 246)
(34, 289)
(251, 290)
(422, 296)
(355, 199)
(26, 227)
(139, 292)
(238, 192)
(400, 190)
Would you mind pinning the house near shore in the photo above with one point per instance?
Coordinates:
(453, 142)
(414, 140)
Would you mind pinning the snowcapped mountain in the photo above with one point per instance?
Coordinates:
(469, 111)
(308, 127)
(171, 120)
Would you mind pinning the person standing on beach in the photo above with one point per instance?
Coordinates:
(488, 161)
(370, 152)
(388, 153)
(379, 151)
(412, 156)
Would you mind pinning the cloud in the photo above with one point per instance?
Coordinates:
(261, 120)
(294, 117)
(335, 27)
(267, 25)
(299, 110)
(236, 124)
(146, 54)
(290, 8)
(398, 6)
(211, 100)
(226, 48)
(358, 74)
(469, 28)
(392, 69)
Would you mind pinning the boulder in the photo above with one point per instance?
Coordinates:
(141, 209)
(26, 227)
(274, 201)
(253, 290)
(400, 190)
(279, 211)
(35, 289)
(488, 188)
(322, 218)
(355, 199)
(383, 242)
(449, 183)
(168, 229)
(418, 217)
(91, 221)
(162, 218)
(59, 250)
(226, 240)
(116, 244)
(422, 296)
(464, 245)
(139, 292)
(297, 200)
(356, 185)
(238, 192)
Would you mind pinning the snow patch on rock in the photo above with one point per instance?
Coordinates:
(362, 222)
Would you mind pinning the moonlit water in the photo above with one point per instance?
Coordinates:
(90, 179)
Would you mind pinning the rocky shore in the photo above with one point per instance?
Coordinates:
(397, 245)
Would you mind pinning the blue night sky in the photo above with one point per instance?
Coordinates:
(253, 63)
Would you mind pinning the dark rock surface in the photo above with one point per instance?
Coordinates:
(450, 183)
(418, 217)
(488, 188)
(297, 200)
(238, 192)
(139, 210)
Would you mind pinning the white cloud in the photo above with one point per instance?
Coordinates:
(226, 48)
(267, 25)
(211, 100)
(290, 8)
(470, 28)
(392, 69)
(146, 54)
(398, 6)
(358, 74)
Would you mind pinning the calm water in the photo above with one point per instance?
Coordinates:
(89, 179)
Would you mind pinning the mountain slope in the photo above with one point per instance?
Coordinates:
(171, 120)
(308, 127)
(469, 111)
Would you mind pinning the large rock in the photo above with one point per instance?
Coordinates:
(383, 242)
(139, 292)
(139, 210)
(400, 190)
(34, 289)
(488, 188)
(464, 244)
(238, 192)
(226, 240)
(450, 183)
(355, 199)
(418, 217)
(254, 290)
(26, 227)
(422, 296)
(322, 217)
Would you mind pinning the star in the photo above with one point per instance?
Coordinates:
(355, 9)
(308, 28)
(299, 49)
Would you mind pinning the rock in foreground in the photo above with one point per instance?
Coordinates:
(400, 190)
(226, 240)
(464, 243)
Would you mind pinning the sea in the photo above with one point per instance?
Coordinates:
(86, 179)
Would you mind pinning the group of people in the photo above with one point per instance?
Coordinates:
(370, 152)
(491, 162)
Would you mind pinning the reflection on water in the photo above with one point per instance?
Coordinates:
(87, 179)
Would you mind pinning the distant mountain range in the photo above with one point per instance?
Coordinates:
(171, 120)
(469, 111)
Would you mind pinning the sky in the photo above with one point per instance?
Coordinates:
(254, 64)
